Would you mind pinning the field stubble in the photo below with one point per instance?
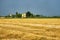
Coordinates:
(21, 29)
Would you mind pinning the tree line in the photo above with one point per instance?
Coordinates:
(29, 15)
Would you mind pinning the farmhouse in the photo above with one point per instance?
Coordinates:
(27, 15)
(23, 15)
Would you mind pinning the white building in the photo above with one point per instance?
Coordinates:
(10, 15)
(23, 15)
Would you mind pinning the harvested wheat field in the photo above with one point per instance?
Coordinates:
(30, 29)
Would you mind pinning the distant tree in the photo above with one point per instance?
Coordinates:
(8, 16)
(37, 15)
(17, 14)
(0, 16)
(13, 16)
(29, 14)
(56, 17)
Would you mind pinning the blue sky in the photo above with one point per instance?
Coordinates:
(43, 7)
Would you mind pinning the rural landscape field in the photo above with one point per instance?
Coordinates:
(30, 29)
